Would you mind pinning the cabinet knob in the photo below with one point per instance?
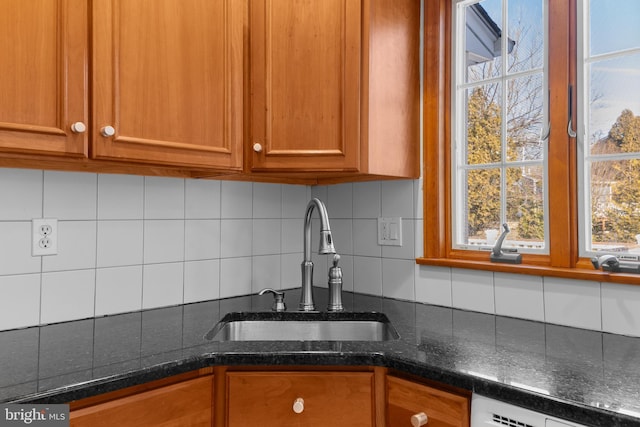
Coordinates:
(419, 419)
(107, 131)
(257, 147)
(298, 405)
(78, 127)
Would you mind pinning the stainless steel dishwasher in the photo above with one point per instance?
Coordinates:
(486, 412)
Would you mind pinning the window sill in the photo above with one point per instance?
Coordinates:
(583, 270)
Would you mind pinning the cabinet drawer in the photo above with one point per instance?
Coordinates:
(328, 398)
(443, 409)
(188, 403)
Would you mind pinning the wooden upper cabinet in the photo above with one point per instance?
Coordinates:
(334, 87)
(168, 81)
(43, 86)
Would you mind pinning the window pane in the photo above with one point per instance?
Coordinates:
(483, 203)
(525, 206)
(526, 35)
(484, 124)
(525, 113)
(615, 205)
(614, 25)
(614, 94)
(482, 40)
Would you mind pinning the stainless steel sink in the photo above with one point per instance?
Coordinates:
(294, 326)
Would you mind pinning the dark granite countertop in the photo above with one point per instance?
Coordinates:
(583, 376)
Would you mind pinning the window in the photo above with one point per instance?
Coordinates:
(499, 127)
(609, 84)
(532, 119)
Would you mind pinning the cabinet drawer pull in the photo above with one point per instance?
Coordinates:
(298, 405)
(257, 147)
(78, 127)
(107, 131)
(419, 419)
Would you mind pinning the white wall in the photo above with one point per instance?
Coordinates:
(128, 243)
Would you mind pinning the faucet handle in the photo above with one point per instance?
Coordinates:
(278, 299)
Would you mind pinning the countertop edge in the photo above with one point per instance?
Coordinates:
(570, 411)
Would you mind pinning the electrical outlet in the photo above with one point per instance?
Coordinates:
(390, 231)
(44, 236)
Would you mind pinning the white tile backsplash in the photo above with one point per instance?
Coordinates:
(267, 200)
(398, 280)
(340, 201)
(235, 276)
(201, 280)
(572, 303)
(15, 249)
(202, 199)
(67, 295)
(120, 197)
(163, 198)
(236, 238)
(162, 284)
(294, 200)
(342, 233)
(130, 242)
(366, 200)
(291, 235)
(119, 243)
(21, 194)
(202, 239)
(365, 238)
(70, 195)
(118, 290)
(621, 309)
(433, 285)
(266, 237)
(76, 247)
(472, 290)
(518, 295)
(20, 302)
(367, 275)
(407, 250)
(236, 199)
(397, 199)
(163, 241)
(266, 272)
(290, 270)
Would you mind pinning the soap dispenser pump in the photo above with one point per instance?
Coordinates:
(335, 286)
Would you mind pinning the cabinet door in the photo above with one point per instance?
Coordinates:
(305, 85)
(167, 79)
(327, 399)
(188, 403)
(442, 409)
(43, 58)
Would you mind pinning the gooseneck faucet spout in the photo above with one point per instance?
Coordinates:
(326, 247)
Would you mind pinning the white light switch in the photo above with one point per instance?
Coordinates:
(390, 231)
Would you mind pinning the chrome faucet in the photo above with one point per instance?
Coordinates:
(326, 247)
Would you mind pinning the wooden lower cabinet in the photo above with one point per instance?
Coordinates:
(440, 408)
(187, 403)
(309, 397)
(300, 399)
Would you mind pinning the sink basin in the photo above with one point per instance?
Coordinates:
(299, 326)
